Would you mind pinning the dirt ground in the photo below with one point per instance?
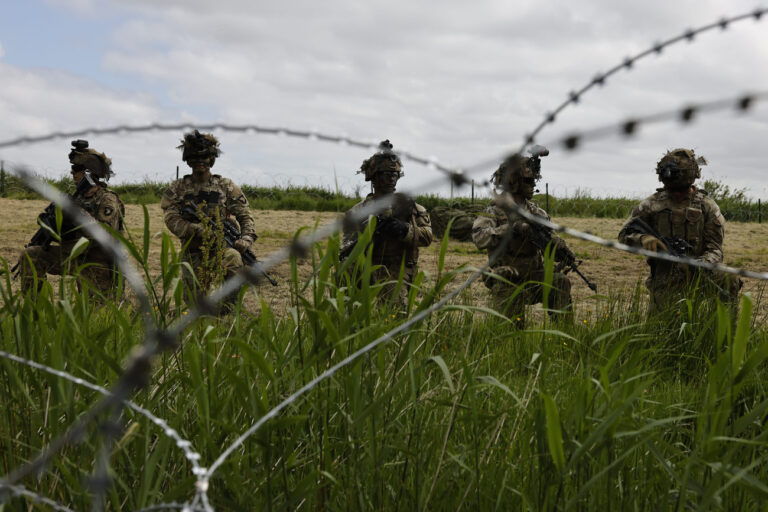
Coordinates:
(746, 245)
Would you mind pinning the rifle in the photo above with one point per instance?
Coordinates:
(573, 265)
(47, 221)
(230, 233)
(676, 247)
(541, 237)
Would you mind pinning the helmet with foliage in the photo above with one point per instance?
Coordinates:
(518, 174)
(199, 146)
(383, 160)
(84, 158)
(679, 168)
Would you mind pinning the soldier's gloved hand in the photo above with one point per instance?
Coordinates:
(651, 243)
(242, 245)
(394, 228)
(508, 273)
(499, 231)
(523, 229)
(566, 255)
(197, 229)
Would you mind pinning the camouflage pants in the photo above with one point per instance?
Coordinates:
(510, 300)
(668, 289)
(41, 261)
(231, 262)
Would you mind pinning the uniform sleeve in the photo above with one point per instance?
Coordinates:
(714, 233)
(485, 231)
(626, 237)
(111, 211)
(420, 228)
(237, 205)
(172, 204)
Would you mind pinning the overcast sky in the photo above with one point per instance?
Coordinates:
(459, 81)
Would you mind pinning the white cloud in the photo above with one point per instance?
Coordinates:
(461, 81)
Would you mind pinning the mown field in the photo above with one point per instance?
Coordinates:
(615, 272)
(461, 411)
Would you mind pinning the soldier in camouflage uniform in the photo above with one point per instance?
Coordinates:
(681, 210)
(89, 167)
(400, 230)
(521, 262)
(214, 198)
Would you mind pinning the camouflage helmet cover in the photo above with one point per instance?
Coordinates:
(679, 167)
(383, 160)
(513, 170)
(196, 145)
(98, 163)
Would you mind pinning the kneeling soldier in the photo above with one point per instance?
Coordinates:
(44, 255)
(521, 262)
(400, 230)
(192, 202)
(680, 219)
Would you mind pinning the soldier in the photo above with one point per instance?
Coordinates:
(400, 230)
(521, 262)
(690, 222)
(42, 256)
(206, 197)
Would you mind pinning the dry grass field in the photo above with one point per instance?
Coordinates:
(614, 272)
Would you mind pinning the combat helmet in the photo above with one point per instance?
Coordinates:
(383, 160)
(518, 174)
(199, 146)
(84, 158)
(679, 168)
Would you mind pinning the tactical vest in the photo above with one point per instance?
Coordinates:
(520, 253)
(211, 198)
(390, 252)
(684, 221)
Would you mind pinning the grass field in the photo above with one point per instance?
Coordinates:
(460, 412)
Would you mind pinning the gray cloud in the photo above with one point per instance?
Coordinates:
(457, 80)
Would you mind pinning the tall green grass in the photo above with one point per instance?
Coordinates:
(462, 411)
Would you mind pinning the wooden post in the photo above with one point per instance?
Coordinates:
(177, 172)
(2, 178)
(546, 191)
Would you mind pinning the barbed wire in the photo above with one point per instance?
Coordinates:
(137, 370)
(186, 446)
(628, 64)
(600, 79)
(20, 490)
(430, 162)
(684, 115)
(252, 275)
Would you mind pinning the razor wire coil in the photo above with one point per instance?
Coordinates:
(157, 341)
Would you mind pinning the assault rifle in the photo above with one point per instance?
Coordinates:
(230, 233)
(676, 247)
(47, 221)
(540, 237)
